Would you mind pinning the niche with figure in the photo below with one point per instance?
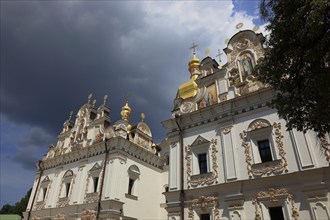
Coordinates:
(245, 64)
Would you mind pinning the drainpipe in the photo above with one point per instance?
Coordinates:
(35, 192)
(182, 166)
(103, 174)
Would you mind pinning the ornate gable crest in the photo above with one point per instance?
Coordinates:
(45, 180)
(68, 173)
(95, 167)
(258, 124)
(199, 141)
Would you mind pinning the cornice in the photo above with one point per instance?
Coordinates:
(223, 111)
(114, 145)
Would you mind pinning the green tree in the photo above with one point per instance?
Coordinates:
(19, 207)
(297, 61)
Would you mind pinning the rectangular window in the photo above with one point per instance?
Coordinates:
(202, 162)
(96, 182)
(205, 216)
(276, 213)
(130, 186)
(67, 189)
(264, 151)
(44, 191)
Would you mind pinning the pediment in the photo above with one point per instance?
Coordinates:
(46, 179)
(68, 173)
(95, 167)
(199, 141)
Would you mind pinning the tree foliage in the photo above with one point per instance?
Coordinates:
(297, 61)
(19, 207)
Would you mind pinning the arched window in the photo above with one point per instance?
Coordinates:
(133, 175)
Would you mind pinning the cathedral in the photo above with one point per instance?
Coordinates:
(226, 155)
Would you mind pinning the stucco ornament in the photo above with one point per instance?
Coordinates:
(275, 167)
(273, 195)
(326, 146)
(205, 180)
(204, 203)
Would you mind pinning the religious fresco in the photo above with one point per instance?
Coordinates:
(246, 65)
(209, 98)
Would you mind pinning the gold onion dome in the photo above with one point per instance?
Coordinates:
(189, 89)
(194, 63)
(125, 111)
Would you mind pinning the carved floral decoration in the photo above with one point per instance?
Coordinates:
(88, 214)
(64, 201)
(276, 167)
(326, 146)
(203, 203)
(273, 196)
(207, 180)
(59, 216)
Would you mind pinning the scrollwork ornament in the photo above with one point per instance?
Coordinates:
(273, 196)
(207, 180)
(275, 167)
(226, 130)
(203, 202)
(326, 146)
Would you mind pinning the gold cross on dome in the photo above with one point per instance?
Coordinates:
(193, 47)
(127, 96)
(219, 55)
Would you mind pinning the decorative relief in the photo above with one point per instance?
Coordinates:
(88, 214)
(64, 201)
(223, 97)
(91, 197)
(121, 159)
(205, 179)
(186, 107)
(59, 216)
(36, 218)
(326, 146)
(203, 203)
(274, 167)
(273, 196)
(226, 130)
(257, 124)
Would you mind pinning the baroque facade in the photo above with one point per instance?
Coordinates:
(226, 155)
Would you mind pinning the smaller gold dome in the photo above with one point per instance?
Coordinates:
(125, 111)
(129, 128)
(194, 63)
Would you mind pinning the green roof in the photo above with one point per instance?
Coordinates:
(10, 217)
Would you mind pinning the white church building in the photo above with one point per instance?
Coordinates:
(226, 155)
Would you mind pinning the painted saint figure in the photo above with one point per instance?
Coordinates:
(247, 67)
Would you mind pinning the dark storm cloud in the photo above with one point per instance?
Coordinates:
(30, 147)
(53, 54)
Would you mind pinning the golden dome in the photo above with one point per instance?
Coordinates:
(188, 89)
(194, 63)
(125, 112)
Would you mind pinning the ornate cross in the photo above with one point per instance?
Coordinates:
(127, 96)
(193, 47)
(219, 55)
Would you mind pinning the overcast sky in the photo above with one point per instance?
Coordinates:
(55, 53)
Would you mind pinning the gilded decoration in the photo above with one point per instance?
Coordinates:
(257, 124)
(64, 201)
(36, 218)
(204, 180)
(326, 146)
(273, 196)
(59, 216)
(88, 214)
(203, 203)
(226, 130)
(223, 97)
(93, 196)
(275, 167)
